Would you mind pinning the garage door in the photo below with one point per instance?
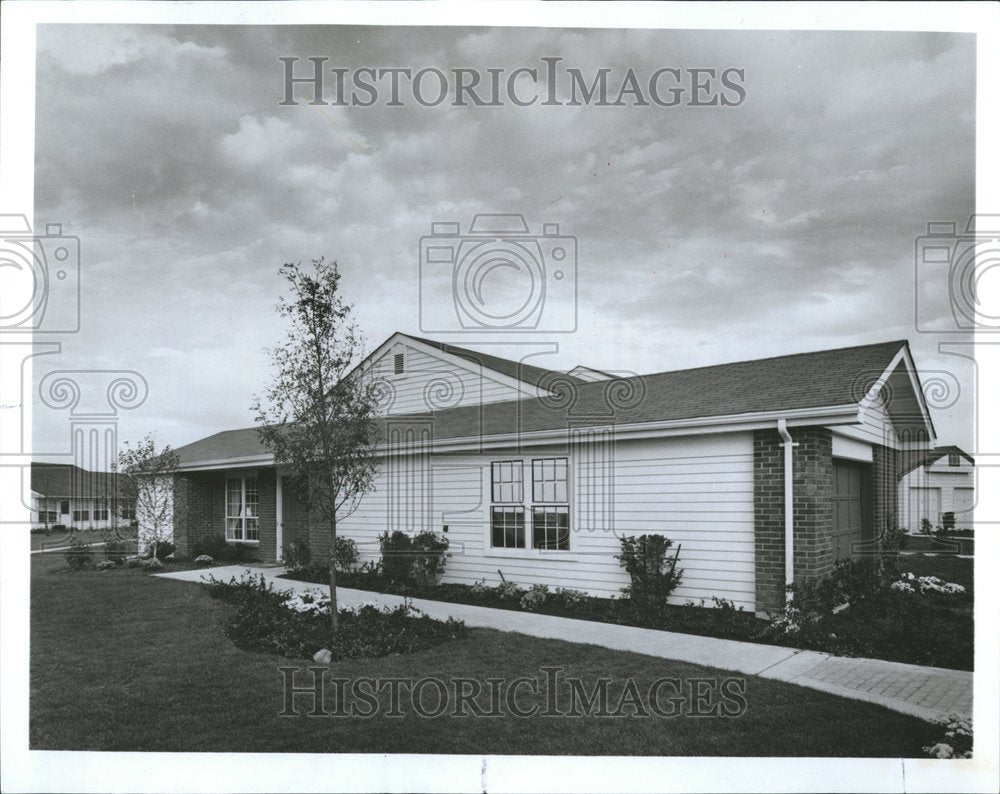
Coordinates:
(924, 503)
(850, 509)
(965, 498)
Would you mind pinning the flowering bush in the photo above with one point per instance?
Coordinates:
(480, 588)
(296, 625)
(569, 597)
(152, 564)
(866, 609)
(957, 739)
(204, 559)
(508, 591)
(909, 582)
(535, 597)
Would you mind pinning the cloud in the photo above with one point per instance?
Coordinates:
(705, 234)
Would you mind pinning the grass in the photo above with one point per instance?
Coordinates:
(125, 661)
(59, 538)
(950, 568)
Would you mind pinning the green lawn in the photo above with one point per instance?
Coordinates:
(63, 537)
(948, 567)
(124, 661)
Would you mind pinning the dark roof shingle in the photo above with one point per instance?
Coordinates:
(799, 381)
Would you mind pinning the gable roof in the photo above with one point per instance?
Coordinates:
(66, 480)
(537, 376)
(798, 382)
(930, 456)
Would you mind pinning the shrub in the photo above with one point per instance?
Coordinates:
(276, 621)
(106, 565)
(893, 540)
(298, 556)
(396, 549)
(652, 572)
(345, 554)
(204, 559)
(418, 561)
(217, 548)
(925, 526)
(956, 741)
(117, 550)
(535, 598)
(151, 564)
(569, 597)
(164, 548)
(78, 555)
(948, 522)
(134, 561)
(508, 591)
(429, 559)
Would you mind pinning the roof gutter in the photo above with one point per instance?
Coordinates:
(788, 444)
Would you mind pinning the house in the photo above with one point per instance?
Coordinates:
(67, 495)
(537, 473)
(934, 483)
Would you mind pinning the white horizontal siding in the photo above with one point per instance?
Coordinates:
(431, 383)
(696, 490)
(946, 483)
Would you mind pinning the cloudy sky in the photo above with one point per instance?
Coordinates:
(705, 234)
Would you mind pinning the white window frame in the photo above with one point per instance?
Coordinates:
(528, 503)
(241, 517)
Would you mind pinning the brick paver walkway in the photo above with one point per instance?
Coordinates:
(926, 692)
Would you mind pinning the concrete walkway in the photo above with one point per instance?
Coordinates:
(925, 692)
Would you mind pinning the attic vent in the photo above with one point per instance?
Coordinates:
(398, 364)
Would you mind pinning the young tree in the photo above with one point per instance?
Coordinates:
(150, 477)
(319, 423)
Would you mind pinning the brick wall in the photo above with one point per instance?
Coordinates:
(200, 510)
(885, 488)
(812, 483)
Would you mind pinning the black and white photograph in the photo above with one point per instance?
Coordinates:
(499, 397)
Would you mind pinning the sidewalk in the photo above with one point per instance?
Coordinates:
(925, 692)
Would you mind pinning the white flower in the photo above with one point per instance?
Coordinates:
(940, 750)
(902, 586)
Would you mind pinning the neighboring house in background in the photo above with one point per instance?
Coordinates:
(937, 482)
(538, 474)
(78, 499)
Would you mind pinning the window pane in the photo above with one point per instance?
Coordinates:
(507, 482)
(550, 528)
(549, 480)
(507, 529)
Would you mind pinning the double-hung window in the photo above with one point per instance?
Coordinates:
(547, 505)
(550, 504)
(241, 510)
(101, 510)
(507, 512)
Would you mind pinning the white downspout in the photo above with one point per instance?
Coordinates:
(787, 443)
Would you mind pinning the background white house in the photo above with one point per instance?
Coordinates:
(75, 498)
(938, 482)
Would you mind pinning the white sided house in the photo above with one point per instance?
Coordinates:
(63, 495)
(935, 483)
(762, 472)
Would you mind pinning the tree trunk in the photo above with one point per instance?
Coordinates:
(333, 582)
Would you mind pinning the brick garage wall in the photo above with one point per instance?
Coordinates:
(812, 483)
(885, 488)
(200, 509)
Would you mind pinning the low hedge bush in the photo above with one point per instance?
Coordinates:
(219, 550)
(264, 619)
